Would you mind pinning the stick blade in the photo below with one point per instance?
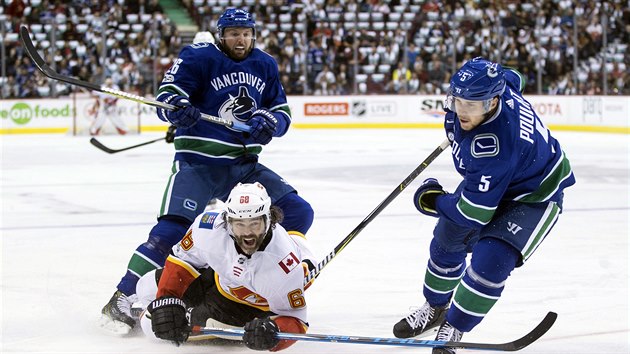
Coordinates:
(515, 345)
(102, 147)
(542, 328)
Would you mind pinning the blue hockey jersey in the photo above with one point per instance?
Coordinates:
(510, 157)
(220, 86)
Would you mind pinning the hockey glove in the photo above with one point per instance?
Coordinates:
(260, 334)
(184, 117)
(170, 134)
(168, 319)
(449, 125)
(425, 197)
(263, 124)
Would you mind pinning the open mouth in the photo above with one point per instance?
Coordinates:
(249, 241)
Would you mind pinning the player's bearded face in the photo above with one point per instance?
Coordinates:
(471, 113)
(248, 233)
(238, 42)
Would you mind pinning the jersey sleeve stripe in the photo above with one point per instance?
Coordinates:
(282, 108)
(550, 184)
(521, 77)
(190, 269)
(475, 212)
(172, 88)
(297, 233)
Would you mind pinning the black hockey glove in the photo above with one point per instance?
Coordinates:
(425, 197)
(184, 117)
(170, 134)
(260, 334)
(263, 124)
(168, 319)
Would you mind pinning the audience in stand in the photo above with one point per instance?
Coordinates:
(91, 40)
(367, 41)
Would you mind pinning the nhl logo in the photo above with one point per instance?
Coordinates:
(359, 108)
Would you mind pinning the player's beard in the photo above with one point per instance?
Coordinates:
(249, 243)
(238, 52)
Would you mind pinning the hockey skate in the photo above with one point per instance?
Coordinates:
(420, 322)
(116, 314)
(447, 333)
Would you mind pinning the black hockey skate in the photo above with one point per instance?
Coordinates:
(116, 314)
(447, 333)
(420, 321)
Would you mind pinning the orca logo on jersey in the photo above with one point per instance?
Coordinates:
(238, 108)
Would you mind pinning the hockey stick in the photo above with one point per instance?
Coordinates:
(102, 147)
(314, 272)
(48, 71)
(512, 346)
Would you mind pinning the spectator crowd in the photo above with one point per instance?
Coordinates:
(333, 47)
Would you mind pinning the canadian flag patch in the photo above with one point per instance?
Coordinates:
(289, 262)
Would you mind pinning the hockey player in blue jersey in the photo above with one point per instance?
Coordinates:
(231, 80)
(514, 173)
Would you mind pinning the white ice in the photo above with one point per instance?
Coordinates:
(72, 216)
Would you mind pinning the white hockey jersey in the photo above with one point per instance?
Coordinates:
(272, 279)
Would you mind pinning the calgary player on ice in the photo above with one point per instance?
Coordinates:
(514, 174)
(105, 108)
(232, 80)
(236, 267)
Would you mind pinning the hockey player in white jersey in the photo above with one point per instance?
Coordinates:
(105, 108)
(235, 267)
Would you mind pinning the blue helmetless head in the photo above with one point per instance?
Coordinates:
(478, 80)
(235, 18)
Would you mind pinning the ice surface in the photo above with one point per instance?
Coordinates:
(72, 215)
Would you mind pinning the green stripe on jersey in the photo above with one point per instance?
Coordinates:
(550, 184)
(284, 108)
(523, 79)
(140, 265)
(213, 148)
(542, 229)
(440, 284)
(478, 213)
(166, 198)
(171, 88)
(473, 302)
